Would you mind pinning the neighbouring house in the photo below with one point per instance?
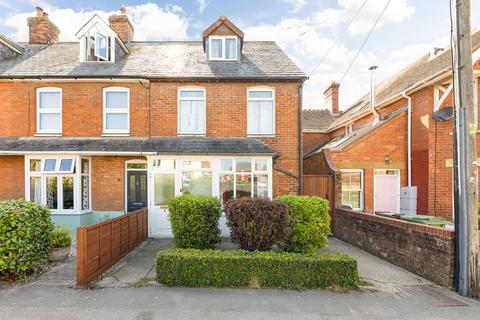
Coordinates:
(95, 128)
(375, 151)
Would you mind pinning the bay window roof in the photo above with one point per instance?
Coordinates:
(152, 145)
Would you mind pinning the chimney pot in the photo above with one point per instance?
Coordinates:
(331, 97)
(39, 12)
(123, 10)
(45, 15)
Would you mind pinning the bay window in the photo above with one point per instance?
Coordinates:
(116, 110)
(244, 177)
(191, 111)
(261, 111)
(352, 188)
(52, 181)
(197, 177)
(49, 111)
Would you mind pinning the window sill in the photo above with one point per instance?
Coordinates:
(258, 135)
(113, 134)
(69, 212)
(41, 134)
(191, 134)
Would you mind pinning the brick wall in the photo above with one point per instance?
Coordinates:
(12, 171)
(368, 153)
(423, 250)
(226, 114)
(311, 139)
(108, 183)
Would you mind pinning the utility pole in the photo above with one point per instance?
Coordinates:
(465, 152)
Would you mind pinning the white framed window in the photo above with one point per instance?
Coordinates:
(223, 48)
(56, 183)
(191, 111)
(49, 110)
(261, 111)
(116, 110)
(352, 188)
(101, 46)
(244, 177)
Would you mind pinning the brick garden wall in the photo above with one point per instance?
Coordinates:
(423, 250)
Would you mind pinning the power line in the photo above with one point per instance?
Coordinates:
(365, 41)
(336, 39)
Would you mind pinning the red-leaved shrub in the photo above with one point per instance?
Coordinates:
(256, 223)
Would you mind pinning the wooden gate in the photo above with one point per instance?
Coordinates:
(320, 186)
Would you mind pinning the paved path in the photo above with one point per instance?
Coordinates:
(126, 292)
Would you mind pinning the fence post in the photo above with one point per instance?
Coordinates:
(81, 257)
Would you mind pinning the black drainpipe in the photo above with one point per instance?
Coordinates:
(300, 139)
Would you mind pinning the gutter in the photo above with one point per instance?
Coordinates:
(409, 137)
(300, 138)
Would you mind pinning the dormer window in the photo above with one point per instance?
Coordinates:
(223, 48)
(99, 42)
(223, 41)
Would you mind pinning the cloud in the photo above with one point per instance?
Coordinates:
(150, 21)
(202, 4)
(297, 4)
(307, 47)
(397, 11)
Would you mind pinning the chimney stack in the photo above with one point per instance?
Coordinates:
(41, 30)
(122, 25)
(331, 97)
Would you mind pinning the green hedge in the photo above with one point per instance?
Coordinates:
(194, 221)
(215, 268)
(25, 233)
(309, 223)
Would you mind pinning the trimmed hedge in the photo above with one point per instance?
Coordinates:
(239, 268)
(194, 221)
(256, 223)
(309, 223)
(25, 233)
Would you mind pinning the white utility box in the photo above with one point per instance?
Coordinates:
(408, 200)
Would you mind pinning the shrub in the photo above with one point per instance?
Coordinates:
(256, 223)
(194, 221)
(309, 223)
(25, 232)
(61, 237)
(239, 268)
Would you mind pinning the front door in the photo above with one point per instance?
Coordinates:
(164, 189)
(136, 190)
(387, 191)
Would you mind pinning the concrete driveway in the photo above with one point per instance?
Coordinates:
(128, 292)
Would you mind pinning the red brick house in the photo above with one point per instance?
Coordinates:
(369, 148)
(106, 125)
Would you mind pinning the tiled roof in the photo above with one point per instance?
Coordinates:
(341, 142)
(160, 145)
(317, 120)
(425, 67)
(163, 60)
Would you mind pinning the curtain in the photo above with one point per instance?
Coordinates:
(192, 116)
(260, 117)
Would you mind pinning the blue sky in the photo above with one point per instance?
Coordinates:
(305, 29)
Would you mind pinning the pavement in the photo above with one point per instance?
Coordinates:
(128, 292)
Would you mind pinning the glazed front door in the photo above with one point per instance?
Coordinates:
(137, 192)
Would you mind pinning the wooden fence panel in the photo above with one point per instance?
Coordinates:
(321, 186)
(101, 245)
